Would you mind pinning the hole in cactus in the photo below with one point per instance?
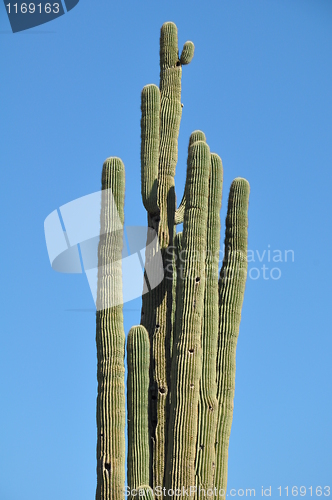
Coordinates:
(201, 447)
(192, 386)
(191, 351)
(157, 326)
(162, 390)
(210, 408)
(178, 63)
(198, 279)
(213, 464)
(108, 467)
(194, 304)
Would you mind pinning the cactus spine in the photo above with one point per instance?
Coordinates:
(181, 359)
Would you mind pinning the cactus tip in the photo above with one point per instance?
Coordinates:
(187, 53)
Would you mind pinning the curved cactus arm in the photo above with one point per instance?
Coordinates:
(208, 404)
(150, 108)
(156, 319)
(197, 135)
(187, 53)
(232, 282)
(187, 355)
(110, 339)
(139, 441)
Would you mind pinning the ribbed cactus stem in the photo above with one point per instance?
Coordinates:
(187, 53)
(181, 359)
(170, 117)
(145, 493)
(110, 338)
(232, 281)
(208, 404)
(139, 440)
(157, 321)
(150, 108)
(157, 304)
(177, 277)
(187, 355)
(197, 135)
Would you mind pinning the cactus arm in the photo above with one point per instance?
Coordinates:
(157, 304)
(232, 281)
(179, 213)
(197, 135)
(138, 359)
(110, 340)
(186, 362)
(208, 405)
(187, 53)
(170, 117)
(150, 108)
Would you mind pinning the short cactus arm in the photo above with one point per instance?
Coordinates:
(187, 53)
(110, 339)
(197, 135)
(150, 108)
(187, 355)
(139, 440)
(232, 282)
(208, 404)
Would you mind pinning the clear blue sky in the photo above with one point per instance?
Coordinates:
(259, 86)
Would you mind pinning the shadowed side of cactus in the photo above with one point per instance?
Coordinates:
(110, 337)
(159, 199)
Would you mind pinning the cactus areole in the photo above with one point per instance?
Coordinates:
(181, 358)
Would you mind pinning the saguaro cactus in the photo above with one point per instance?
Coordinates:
(181, 359)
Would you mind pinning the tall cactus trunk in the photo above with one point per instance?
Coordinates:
(110, 339)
